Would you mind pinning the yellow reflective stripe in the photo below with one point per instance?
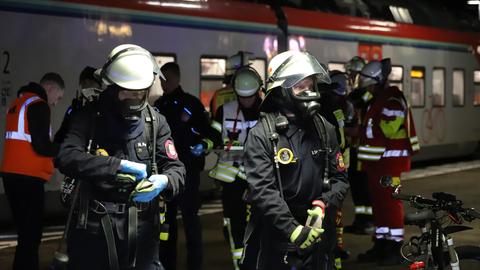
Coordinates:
(395, 181)
(360, 209)
(372, 149)
(164, 236)
(224, 172)
(217, 126)
(339, 115)
(367, 96)
(415, 147)
(209, 143)
(414, 143)
(237, 253)
(369, 157)
(338, 263)
(342, 137)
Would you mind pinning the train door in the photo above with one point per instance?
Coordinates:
(370, 51)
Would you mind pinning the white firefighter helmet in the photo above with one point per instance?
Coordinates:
(129, 66)
(288, 68)
(371, 74)
(246, 82)
(237, 61)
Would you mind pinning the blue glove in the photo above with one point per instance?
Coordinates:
(135, 168)
(197, 150)
(146, 190)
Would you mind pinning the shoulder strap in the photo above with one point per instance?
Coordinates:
(320, 127)
(270, 129)
(151, 118)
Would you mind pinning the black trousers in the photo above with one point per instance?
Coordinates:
(87, 248)
(189, 203)
(358, 182)
(235, 209)
(25, 195)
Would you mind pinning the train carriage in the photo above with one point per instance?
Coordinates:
(437, 68)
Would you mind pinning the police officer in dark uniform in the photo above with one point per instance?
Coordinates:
(295, 172)
(122, 152)
(192, 132)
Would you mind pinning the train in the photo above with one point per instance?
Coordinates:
(436, 67)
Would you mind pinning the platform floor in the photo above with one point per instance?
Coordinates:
(464, 184)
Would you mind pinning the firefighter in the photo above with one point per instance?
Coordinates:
(236, 118)
(194, 137)
(121, 151)
(295, 172)
(339, 111)
(388, 140)
(226, 93)
(363, 220)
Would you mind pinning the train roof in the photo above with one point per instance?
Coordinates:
(256, 17)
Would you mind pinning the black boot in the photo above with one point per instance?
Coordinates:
(375, 253)
(362, 224)
(392, 254)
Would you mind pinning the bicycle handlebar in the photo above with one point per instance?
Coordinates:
(472, 213)
(416, 199)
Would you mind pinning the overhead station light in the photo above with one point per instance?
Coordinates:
(473, 2)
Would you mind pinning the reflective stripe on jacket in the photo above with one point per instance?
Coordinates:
(19, 157)
(229, 162)
(388, 130)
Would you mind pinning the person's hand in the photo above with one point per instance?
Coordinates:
(135, 168)
(316, 214)
(304, 236)
(197, 150)
(147, 189)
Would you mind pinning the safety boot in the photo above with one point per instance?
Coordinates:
(375, 253)
(392, 254)
(361, 225)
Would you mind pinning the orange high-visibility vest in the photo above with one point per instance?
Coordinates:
(19, 157)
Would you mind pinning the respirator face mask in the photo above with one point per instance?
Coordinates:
(306, 96)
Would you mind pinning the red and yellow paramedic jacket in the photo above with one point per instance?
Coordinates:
(19, 155)
(388, 133)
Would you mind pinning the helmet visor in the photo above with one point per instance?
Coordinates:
(295, 69)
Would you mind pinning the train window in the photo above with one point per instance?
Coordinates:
(476, 88)
(260, 66)
(336, 66)
(211, 77)
(396, 77)
(417, 75)
(458, 92)
(438, 87)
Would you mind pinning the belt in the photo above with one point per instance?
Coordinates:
(101, 208)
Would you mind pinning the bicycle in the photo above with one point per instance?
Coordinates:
(434, 249)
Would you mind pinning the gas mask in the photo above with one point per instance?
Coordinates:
(305, 97)
(130, 103)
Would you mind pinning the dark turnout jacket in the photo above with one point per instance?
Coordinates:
(275, 216)
(121, 140)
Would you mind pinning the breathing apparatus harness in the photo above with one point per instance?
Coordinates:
(275, 124)
(82, 193)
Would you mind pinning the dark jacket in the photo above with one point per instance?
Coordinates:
(122, 140)
(189, 122)
(302, 180)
